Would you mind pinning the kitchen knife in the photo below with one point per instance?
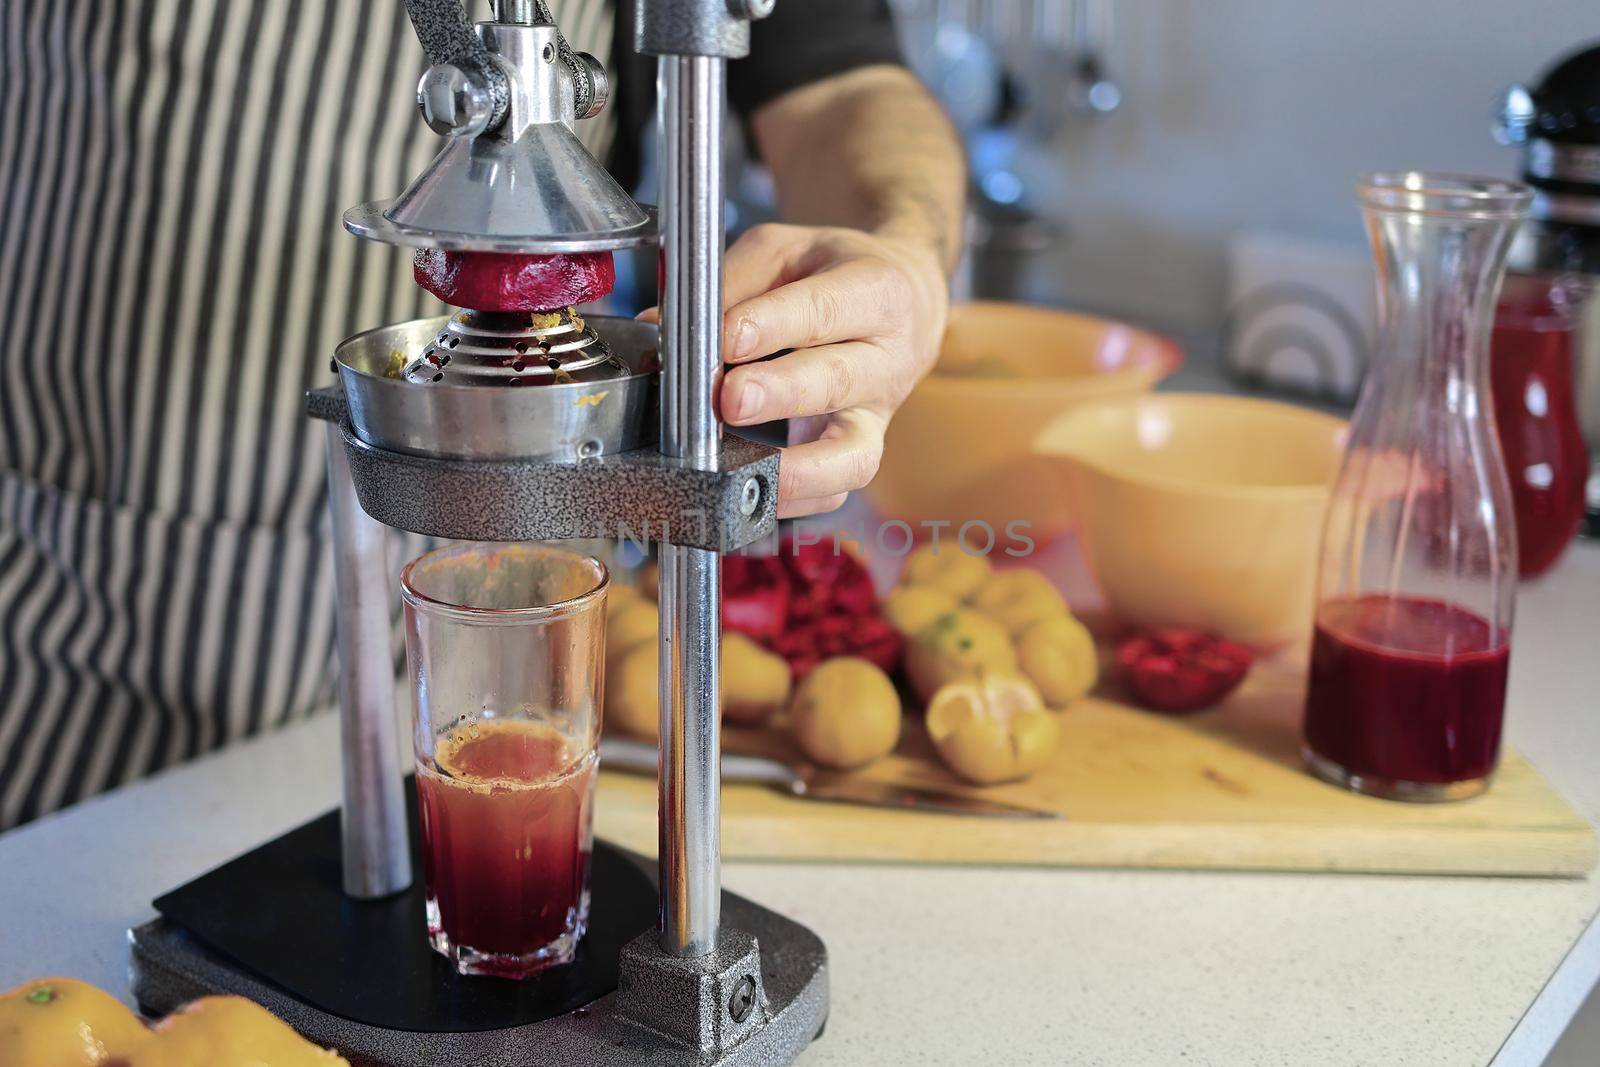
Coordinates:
(809, 783)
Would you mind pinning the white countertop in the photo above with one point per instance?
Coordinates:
(941, 965)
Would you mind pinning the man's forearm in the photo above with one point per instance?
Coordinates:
(832, 319)
(872, 150)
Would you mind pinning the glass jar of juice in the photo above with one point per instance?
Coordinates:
(1418, 569)
(1531, 368)
(1555, 121)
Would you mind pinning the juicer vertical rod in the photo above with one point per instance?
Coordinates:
(377, 853)
(691, 95)
(690, 828)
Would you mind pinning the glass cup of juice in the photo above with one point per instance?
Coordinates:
(505, 644)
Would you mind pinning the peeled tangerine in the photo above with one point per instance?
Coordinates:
(947, 566)
(227, 1032)
(992, 729)
(1058, 656)
(650, 581)
(631, 623)
(755, 682)
(61, 1022)
(846, 713)
(910, 608)
(633, 690)
(959, 644)
(1018, 598)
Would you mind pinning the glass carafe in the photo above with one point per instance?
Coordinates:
(1419, 565)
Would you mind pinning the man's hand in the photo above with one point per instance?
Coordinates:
(863, 315)
(855, 300)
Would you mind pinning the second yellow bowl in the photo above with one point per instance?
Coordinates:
(1200, 510)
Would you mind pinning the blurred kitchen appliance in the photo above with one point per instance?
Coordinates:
(516, 427)
(1300, 317)
(1011, 74)
(1532, 356)
(1556, 123)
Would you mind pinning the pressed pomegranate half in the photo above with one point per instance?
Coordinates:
(504, 281)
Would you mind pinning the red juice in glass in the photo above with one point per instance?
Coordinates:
(1406, 690)
(506, 812)
(1531, 371)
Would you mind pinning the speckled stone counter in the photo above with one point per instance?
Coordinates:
(1008, 967)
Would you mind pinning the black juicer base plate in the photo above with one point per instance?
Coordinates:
(281, 911)
(274, 925)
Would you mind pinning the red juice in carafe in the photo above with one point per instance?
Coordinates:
(1531, 372)
(506, 840)
(1406, 689)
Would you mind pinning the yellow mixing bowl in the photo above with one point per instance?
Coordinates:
(960, 448)
(1200, 510)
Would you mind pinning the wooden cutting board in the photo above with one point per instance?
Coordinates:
(1220, 790)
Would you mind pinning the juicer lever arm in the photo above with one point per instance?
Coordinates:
(589, 79)
(462, 77)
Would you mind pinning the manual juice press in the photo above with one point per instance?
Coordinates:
(491, 426)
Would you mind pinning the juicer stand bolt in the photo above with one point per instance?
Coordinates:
(453, 102)
(449, 40)
(743, 1000)
(711, 1003)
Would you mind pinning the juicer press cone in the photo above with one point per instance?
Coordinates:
(526, 185)
(514, 348)
(540, 192)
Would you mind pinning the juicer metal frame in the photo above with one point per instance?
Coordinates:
(693, 991)
(694, 39)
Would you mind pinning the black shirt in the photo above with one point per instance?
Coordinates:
(801, 42)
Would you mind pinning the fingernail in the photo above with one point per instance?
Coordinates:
(744, 338)
(750, 400)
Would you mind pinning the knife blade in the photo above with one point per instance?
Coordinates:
(808, 783)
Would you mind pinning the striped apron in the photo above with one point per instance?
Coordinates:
(174, 277)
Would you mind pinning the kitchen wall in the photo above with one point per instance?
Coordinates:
(1256, 114)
